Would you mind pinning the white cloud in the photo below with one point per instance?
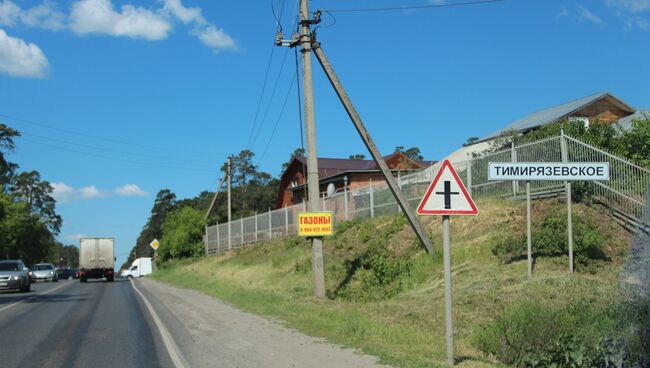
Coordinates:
(586, 14)
(9, 13)
(184, 14)
(75, 237)
(632, 6)
(209, 34)
(216, 39)
(130, 190)
(64, 193)
(21, 59)
(90, 192)
(99, 16)
(44, 16)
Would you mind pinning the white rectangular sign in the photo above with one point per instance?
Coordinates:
(560, 171)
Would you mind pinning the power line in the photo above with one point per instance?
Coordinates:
(259, 101)
(392, 8)
(268, 106)
(115, 158)
(112, 140)
(116, 151)
(277, 121)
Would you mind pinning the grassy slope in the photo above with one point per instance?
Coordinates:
(406, 329)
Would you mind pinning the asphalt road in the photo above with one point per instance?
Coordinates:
(70, 324)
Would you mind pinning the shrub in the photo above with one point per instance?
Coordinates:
(550, 239)
(579, 334)
(182, 234)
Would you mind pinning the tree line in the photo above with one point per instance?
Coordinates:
(179, 225)
(28, 219)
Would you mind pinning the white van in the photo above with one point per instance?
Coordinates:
(139, 267)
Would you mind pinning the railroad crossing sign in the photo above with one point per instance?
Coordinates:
(447, 195)
(154, 244)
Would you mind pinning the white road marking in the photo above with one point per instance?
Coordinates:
(167, 339)
(32, 297)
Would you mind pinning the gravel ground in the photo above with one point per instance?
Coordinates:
(211, 333)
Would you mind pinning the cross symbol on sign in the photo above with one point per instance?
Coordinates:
(447, 193)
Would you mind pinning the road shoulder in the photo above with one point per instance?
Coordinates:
(211, 333)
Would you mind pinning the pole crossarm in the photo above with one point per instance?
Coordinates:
(370, 144)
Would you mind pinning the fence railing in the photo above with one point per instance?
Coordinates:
(625, 192)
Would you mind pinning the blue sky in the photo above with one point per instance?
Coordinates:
(118, 99)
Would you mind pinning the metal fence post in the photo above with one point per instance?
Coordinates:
(399, 184)
(286, 220)
(241, 231)
(207, 242)
(469, 174)
(372, 200)
(256, 226)
(345, 198)
(218, 240)
(270, 225)
(567, 185)
(513, 157)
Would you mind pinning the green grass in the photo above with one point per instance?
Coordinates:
(385, 295)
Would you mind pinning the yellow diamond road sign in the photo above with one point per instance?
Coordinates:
(155, 244)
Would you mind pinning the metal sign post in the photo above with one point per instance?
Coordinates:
(554, 171)
(447, 196)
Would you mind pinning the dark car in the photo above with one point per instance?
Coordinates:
(14, 275)
(69, 273)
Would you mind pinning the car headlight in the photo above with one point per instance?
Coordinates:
(30, 273)
(16, 277)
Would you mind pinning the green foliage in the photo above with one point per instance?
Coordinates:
(535, 333)
(413, 153)
(633, 144)
(22, 234)
(378, 270)
(7, 145)
(29, 188)
(357, 156)
(182, 234)
(550, 239)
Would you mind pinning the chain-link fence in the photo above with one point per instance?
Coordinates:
(624, 193)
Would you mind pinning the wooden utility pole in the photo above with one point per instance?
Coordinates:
(214, 199)
(313, 187)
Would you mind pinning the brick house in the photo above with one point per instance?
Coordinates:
(336, 173)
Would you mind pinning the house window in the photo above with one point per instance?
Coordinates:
(294, 182)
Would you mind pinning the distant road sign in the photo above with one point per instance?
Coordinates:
(447, 195)
(560, 171)
(155, 244)
(315, 224)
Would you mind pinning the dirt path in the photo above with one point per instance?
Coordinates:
(210, 333)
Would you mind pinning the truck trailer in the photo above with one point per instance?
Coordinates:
(140, 267)
(96, 259)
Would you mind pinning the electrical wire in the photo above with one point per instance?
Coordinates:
(112, 140)
(277, 121)
(392, 8)
(259, 101)
(78, 144)
(115, 158)
(268, 106)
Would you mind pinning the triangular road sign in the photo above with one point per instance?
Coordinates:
(447, 195)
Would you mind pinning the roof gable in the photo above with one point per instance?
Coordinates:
(558, 112)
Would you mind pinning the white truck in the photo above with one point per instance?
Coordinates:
(139, 267)
(96, 259)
